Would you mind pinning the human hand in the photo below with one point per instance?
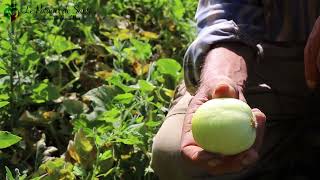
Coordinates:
(312, 57)
(218, 164)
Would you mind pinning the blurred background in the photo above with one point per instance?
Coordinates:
(86, 84)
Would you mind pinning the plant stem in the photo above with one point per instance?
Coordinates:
(11, 69)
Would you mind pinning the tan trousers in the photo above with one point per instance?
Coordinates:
(276, 86)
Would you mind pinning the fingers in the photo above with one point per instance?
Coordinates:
(250, 157)
(232, 164)
(311, 56)
(202, 158)
(197, 154)
(260, 127)
(214, 163)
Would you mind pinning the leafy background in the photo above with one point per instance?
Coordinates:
(81, 97)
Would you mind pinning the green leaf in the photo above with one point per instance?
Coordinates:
(145, 86)
(82, 143)
(101, 96)
(5, 45)
(142, 50)
(53, 92)
(110, 115)
(7, 139)
(54, 169)
(4, 97)
(9, 175)
(105, 155)
(130, 140)
(117, 79)
(125, 98)
(135, 127)
(153, 123)
(44, 91)
(4, 103)
(168, 66)
(60, 43)
(178, 9)
(3, 69)
(75, 55)
(24, 38)
(73, 106)
(78, 171)
(88, 33)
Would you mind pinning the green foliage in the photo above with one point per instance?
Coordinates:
(86, 90)
(9, 175)
(55, 169)
(7, 139)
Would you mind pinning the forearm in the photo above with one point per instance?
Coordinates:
(226, 62)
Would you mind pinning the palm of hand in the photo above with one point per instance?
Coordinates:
(216, 163)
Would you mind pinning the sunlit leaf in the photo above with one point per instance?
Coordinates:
(91, 38)
(4, 103)
(7, 139)
(84, 148)
(111, 115)
(50, 115)
(149, 35)
(105, 155)
(153, 123)
(169, 92)
(60, 43)
(103, 74)
(178, 9)
(24, 38)
(116, 80)
(3, 69)
(82, 143)
(4, 96)
(78, 171)
(5, 45)
(140, 69)
(9, 175)
(142, 50)
(125, 98)
(124, 34)
(169, 66)
(130, 140)
(72, 152)
(54, 169)
(145, 86)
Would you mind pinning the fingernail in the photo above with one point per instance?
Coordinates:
(214, 162)
(311, 84)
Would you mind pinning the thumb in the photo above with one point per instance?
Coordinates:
(225, 90)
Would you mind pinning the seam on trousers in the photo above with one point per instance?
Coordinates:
(178, 107)
(179, 95)
(180, 91)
